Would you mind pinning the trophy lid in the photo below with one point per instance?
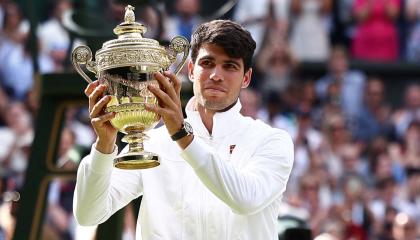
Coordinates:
(131, 48)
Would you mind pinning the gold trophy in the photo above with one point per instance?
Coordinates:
(126, 66)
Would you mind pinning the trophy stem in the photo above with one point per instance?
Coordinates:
(135, 140)
(136, 157)
(135, 147)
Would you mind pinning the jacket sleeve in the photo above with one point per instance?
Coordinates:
(101, 189)
(253, 187)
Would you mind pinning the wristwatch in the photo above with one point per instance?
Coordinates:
(185, 130)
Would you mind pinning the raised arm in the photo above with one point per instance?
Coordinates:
(101, 190)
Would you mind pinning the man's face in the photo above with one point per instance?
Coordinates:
(217, 77)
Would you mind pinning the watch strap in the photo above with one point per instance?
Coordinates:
(184, 131)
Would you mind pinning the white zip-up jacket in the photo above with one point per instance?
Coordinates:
(227, 185)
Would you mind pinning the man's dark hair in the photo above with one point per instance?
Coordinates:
(235, 40)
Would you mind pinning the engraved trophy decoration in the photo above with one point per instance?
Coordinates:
(126, 66)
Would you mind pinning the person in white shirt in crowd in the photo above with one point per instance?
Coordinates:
(223, 180)
(254, 15)
(309, 29)
(17, 136)
(56, 47)
(15, 55)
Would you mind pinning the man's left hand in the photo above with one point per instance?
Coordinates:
(168, 96)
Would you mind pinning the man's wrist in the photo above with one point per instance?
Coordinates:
(184, 131)
(185, 141)
(105, 147)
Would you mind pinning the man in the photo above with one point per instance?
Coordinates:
(351, 83)
(223, 181)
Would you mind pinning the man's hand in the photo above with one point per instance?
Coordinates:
(169, 108)
(106, 133)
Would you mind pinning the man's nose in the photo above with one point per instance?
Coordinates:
(216, 74)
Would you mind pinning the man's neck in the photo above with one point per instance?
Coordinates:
(207, 115)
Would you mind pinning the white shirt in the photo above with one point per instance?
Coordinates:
(61, 39)
(251, 14)
(202, 192)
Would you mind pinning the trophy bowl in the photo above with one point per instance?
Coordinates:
(126, 65)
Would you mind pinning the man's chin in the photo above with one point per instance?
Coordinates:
(218, 106)
(214, 105)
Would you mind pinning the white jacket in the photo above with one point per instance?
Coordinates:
(227, 185)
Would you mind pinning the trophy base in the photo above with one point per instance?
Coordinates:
(136, 160)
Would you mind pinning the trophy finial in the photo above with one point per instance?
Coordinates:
(130, 28)
(129, 16)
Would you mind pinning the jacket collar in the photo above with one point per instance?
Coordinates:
(224, 123)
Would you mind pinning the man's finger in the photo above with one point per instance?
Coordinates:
(176, 82)
(103, 118)
(156, 109)
(99, 106)
(93, 97)
(166, 86)
(90, 87)
(162, 97)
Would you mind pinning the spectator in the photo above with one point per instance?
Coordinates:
(60, 220)
(273, 113)
(275, 63)
(56, 47)
(337, 136)
(402, 117)
(250, 100)
(310, 195)
(15, 56)
(383, 166)
(4, 103)
(153, 18)
(376, 34)
(353, 208)
(255, 15)
(375, 117)
(309, 37)
(411, 151)
(350, 83)
(410, 194)
(16, 138)
(342, 22)
(352, 162)
(413, 19)
(308, 141)
(77, 120)
(384, 198)
(186, 19)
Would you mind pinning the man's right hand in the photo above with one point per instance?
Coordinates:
(105, 132)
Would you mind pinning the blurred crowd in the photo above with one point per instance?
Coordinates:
(356, 173)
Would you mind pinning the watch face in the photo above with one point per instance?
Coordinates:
(188, 128)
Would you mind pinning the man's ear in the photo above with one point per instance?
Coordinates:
(190, 70)
(247, 78)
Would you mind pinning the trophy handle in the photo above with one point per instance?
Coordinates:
(83, 55)
(178, 45)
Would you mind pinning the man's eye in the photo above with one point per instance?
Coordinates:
(231, 66)
(206, 63)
